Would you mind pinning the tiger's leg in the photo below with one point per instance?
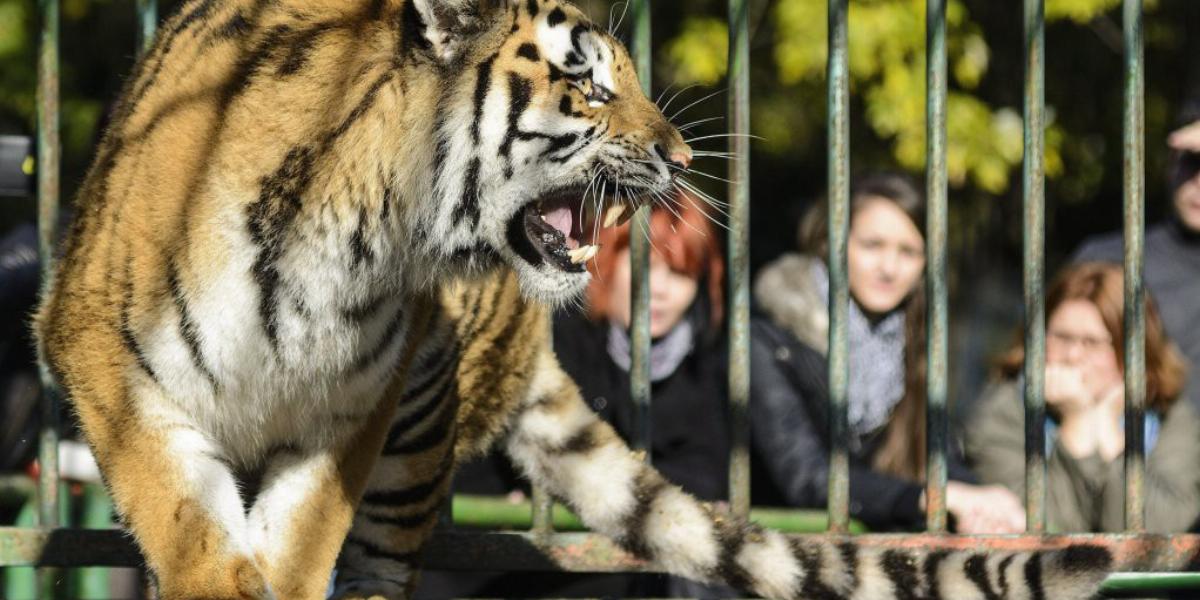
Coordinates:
(173, 489)
(405, 492)
(562, 445)
(305, 506)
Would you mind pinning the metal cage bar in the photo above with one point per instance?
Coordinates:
(839, 287)
(1034, 199)
(935, 266)
(1135, 293)
(639, 258)
(147, 13)
(49, 153)
(739, 257)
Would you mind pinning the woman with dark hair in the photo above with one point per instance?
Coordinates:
(1085, 402)
(886, 259)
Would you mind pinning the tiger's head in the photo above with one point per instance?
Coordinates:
(543, 137)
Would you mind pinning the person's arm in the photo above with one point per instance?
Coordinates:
(1172, 477)
(995, 446)
(791, 444)
(994, 438)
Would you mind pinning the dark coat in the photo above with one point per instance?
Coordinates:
(690, 437)
(789, 414)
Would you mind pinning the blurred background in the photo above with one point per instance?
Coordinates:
(1084, 90)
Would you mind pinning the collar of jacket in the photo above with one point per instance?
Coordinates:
(786, 293)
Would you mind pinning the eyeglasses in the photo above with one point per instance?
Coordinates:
(1089, 343)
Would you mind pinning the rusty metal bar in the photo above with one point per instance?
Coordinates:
(48, 179)
(1034, 197)
(739, 257)
(935, 266)
(147, 11)
(839, 287)
(639, 258)
(543, 512)
(49, 151)
(1135, 226)
(521, 551)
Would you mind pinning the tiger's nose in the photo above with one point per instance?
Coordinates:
(680, 158)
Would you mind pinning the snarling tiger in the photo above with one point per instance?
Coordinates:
(309, 266)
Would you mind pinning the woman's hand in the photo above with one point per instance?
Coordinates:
(984, 509)
(1067, 392)
(1109, 417)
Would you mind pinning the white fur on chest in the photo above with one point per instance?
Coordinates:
(341, 329)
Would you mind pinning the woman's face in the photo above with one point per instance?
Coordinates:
(671, 293)
(886, 256)
(1076, 337)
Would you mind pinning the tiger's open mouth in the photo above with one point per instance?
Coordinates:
(559, 227)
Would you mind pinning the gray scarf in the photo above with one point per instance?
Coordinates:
(876, 361)
(665, 354)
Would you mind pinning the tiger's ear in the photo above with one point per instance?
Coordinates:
(448, 24)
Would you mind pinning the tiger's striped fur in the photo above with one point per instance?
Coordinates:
(493, 361)
(261, 251)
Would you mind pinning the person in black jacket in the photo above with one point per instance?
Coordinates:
(886, 396)
(690, 432)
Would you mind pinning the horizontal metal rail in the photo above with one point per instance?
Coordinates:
(593, 553)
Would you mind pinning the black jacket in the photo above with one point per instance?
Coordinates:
(789, 420)
(690, 437)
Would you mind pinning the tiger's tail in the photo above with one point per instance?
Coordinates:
(563, 446)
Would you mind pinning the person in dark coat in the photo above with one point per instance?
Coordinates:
(690, 432)
(688, 381)
(886, 396)
(1172, 247)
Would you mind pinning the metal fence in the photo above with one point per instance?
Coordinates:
(541, 547)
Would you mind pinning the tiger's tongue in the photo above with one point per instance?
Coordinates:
(560, 219)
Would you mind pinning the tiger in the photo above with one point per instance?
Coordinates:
(309, 271)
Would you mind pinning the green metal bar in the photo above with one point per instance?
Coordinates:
(839, 287)
(147, 11)
(1120, 584)
(739, 257)
(49, 151)
(1135, 226)
(497, 512)
(935, 265)
(1034, 190)
(639, 258)
(92, 583)
(542, 502)
(543, 513)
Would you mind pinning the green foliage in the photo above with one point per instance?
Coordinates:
(887, 73)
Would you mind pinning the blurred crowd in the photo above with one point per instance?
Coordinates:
(1084, 383)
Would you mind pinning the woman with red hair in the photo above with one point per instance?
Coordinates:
(1085, 403)
(690, 442)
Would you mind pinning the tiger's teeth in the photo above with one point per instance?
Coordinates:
(592, 251)
(583, 254)
(613, 214)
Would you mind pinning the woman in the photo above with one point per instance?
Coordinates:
(886, 399)
(1085, 402)
(690, 441)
